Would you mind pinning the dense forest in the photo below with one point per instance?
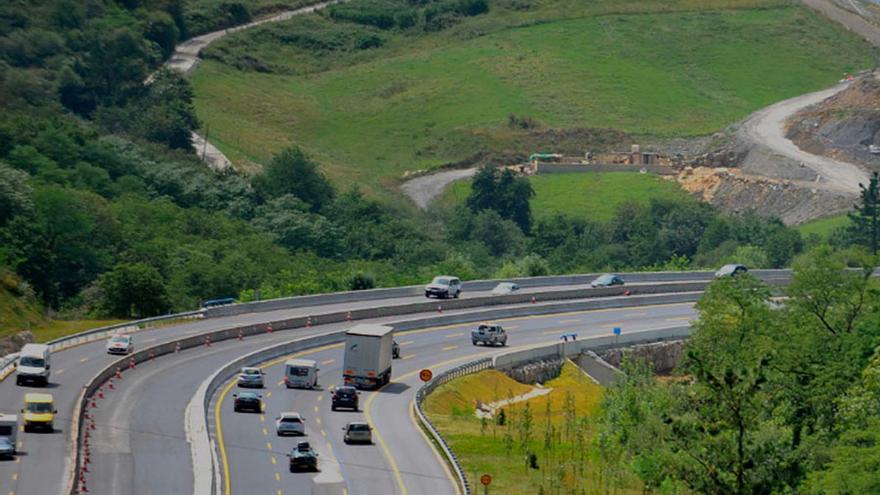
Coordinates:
(770, 396)
(105, 209)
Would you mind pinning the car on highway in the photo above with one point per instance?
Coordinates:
(395, 350)
(357, 432)
(290, 423)
(607, 280)
(250, 377)
(489, 334)
(7, 448)
(444, 287)
(301, 373)
(731, 270)
(303, 458)
(505, 288)
(39, 412)
(120, 344)
(344, 396)
(33, 364)
(247, 401)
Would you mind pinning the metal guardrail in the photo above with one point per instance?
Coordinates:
(422, 393)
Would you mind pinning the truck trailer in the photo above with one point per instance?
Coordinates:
(368, 354)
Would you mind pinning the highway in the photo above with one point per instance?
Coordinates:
(139, 427)
(402, 462)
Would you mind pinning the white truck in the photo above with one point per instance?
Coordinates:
(368, 354)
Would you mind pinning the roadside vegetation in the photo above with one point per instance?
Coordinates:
(375, 89)
(542, 445)
(770, 399)
(203, 16)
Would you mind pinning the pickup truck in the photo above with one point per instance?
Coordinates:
(489, 334)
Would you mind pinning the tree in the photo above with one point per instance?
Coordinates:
(503, 192)
(134, 290)
(15, 193)
(865, 229)
(293, 172)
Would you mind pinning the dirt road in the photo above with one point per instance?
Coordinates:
(427, 187)
(767, 128)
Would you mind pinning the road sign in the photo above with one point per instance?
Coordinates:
(426, 375)
(616, 330)
(486, 479)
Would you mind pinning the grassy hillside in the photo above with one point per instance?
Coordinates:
(418, 102)
(481, 448)
(823, 227)
(587, 196)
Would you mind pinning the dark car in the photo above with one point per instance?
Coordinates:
(247, 401)
(731, 270)
(395, 350)
(303, 458)
(7, 448)
(607, 280)
(346, 397)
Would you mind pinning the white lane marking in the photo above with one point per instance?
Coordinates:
(449, 348)
(408, 342)
(454, 335)
(328, 361)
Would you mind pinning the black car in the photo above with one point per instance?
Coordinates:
(247, 401)
(303, 458)
(346, 397)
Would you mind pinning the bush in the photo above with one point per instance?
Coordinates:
(361, 281)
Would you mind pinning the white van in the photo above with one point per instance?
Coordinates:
(33, 364)
(301, 373)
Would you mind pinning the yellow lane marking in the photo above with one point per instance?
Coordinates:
(277, 476)
(279, 493)
(83, 359)
(268, 394)
(18, 460)
(449, 348)
(20, 427)
(320, 398)
(454, 335)
(509, 327)
(407, 342)
(59, 371)
(224, 457)
(408, 356)
(280, 383)
(576, 320)
(269, 445)
(554, 331)
(265, 432)
(328, 361)
(318, 420)
(20, 444)
(679, 318)
(324, 433)
(274, 461)
(14, 476)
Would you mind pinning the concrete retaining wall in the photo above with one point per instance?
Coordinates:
(558, 168)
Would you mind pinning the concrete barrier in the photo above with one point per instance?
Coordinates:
(329, 481)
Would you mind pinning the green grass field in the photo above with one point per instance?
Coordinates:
(591, 196)
(17, 314)
(482, 449)
(437, 98)
(823, 227)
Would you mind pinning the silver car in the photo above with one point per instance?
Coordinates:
(444, 287)
(505, 288)
(489, 334)
(120, 344)
(357, 432)
(290, 423)
(7, 448)
(250, 377)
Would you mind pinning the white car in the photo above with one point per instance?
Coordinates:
(290, 423)
(505, 288)
(357, 432)
(444, 287)
(120, 344)
(250, 377)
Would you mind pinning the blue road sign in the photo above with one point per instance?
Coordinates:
(616, 330)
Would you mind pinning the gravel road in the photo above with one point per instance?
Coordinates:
(427, 187)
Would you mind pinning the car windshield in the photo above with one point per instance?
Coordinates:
(291, 420)
(253, 372)
(298, 371)
(359, 427)
(5, 442)
(345, 391)
(34, 362)
(248, 397)
(605, 279)
(119, 340)
(39, 407)
(440, 281)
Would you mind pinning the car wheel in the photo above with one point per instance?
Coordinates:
(474, 342)
(332, 408)
(458, 293)
(428, 295)
(18, 380)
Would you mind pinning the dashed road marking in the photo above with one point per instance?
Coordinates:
(449, 348)
(316, 409)
(320, 398)
(280, 383)
(408, 342)
(328, 361)
(554, 331)
(277, 476)
(274, 461)
(679, 318)
(408, 356)
(268, 394)
(324, 433)
(576, 320)
(269, 445)
(83, 359)
(318, 420)
(454, 335)
(265, 432)
(262, 418)
(14, 476)
(59, 372)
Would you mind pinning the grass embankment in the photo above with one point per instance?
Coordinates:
(591, 196)
(203, 16)
(18, 313)
(823, 227)
(419, 101)
(482, 448)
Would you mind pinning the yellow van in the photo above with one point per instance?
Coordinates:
(39, 412)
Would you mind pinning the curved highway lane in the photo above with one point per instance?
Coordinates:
(73, 367)
(400, 461)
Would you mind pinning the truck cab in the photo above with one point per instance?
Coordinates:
(39, 412)
(33, 365)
